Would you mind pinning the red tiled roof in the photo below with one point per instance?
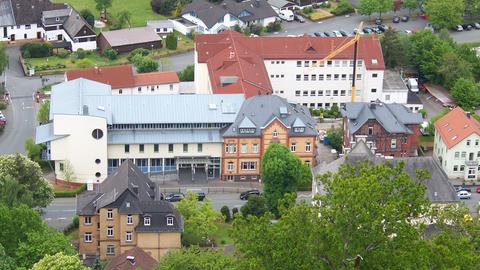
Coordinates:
(142, 260)
(122, 76)
(455, 126)
(233, 54)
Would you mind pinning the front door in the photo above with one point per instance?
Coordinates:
(60, 37)
(5, 32)
(12, 37)
(39, 35)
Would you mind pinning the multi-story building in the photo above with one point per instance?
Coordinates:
(92, 132)
(123, 213)
(388, 129)
(290, 67)
(263, 120)
(457, 144)
(124, 81)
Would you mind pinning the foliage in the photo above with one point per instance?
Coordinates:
(445, 14)
(194, 258)
(146, 64)
(34, 151)
(411, 5)
(3, 58)
(453, 67)
(280, 174)
(191, 34)
(88, 16)
(187, 75)
(393, 52)
(3, 105)
(431, 127)
(256, 29)
(164, 7)
(84, 63)
(467, 93)
(199, 220)
(171, 41)
(383, 6)
(367, 7)
(124, 17)
(472, 8)
(43, 112)
(305, 182)
(63, 54)
(138, 51)
(423, 112)
(70, 194)
(36, 50)
(60, 261)
(255, 206)
(344, 7)
(81, 53)
(226, 213)
(21, 181)
(335, 136)
(273, 26)
(102, 5)
(307, 10)
(6, 262)
(234, 212)
(110, 53)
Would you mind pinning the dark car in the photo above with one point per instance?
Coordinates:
(396, 19)
(298, 18)
(319, 34)
(460, 188)
(378, 21)
(174, 197)
(343, 33)
(328, 34)
(376, 30)
(405, 18)
(367, 30)
(382, 28)
(467, 27)
(246, 194)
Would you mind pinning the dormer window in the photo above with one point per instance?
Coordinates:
(146, 221)
(169, 221)
(299, 129)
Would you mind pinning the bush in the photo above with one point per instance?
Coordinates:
(255, 206)
(3, 105)
(335, 136)
(226, 213)
(343, 7)
(171, 41)
(110, 53)
(84, 63)
(307, 10)
(256, 29)
(325, 5)
(36, 50)
(423, 112)
(138, 51)
(72, 226)
(81, 53)
(274, 26)
(63, 54)
(187, 75)
(237, 28)
(234, 212)
(72, 193)
(88, 16)
(164, 7)
(191, 35)
(146, 64)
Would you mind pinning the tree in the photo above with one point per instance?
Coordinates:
(472, 7)
(171, 41)
(280, 174)
(367, 7)
(454, 67)
(445, 14)
(34, 151)
(146, 64)
(33, 189)
(255, 206)
(411, 5)
(102, 5)
(393, 51)
(3, 58)
(431, 126)
(305, 182)
(194, 258)
(383, 6)
(226, 213)
(88, 16)
(335, 136)
(60, 261)
(124, 17)
(43, 112)
(163, 7)
(344, 7)
(68, 172)
(187, 75)
(6, 262)
(199, 220)
(138, 51)
(466, 93)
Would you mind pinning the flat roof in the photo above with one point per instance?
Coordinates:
(130, 36)
(392, 81)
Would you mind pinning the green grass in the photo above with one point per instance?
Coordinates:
(140, 9)
(73, 235)
(222, 236)
(426, 138)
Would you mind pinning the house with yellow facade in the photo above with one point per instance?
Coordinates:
(261, 121)
(125, 211)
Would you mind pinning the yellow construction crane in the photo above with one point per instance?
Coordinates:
(354, 42)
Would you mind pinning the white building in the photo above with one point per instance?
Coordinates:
(91, 132)
(457, 145)
(161, 26)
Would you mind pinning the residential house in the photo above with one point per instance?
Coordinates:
(212, 18)
(457, 145)
(124, 81)
(161, 26)
(263, 120)
(278, 5)
(124, 213)
(176, 135)
(387, 129)
(129, 39)
(307, 3)
(133, 259)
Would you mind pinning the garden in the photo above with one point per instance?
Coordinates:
(318, 12)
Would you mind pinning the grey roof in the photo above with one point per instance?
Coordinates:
(393, 117)
(210, 13)
(413, 98)
(129, 36)
(44, 133)
(75, 23)
(439, 188)
(246, 123)
(30, 11)
(85, 206)
(56, 13)
(158, 211)
(93, 98)
(6, 13)
(160, 24)
(261, 110)
(163, 136)
(280, 3)
(392, 81)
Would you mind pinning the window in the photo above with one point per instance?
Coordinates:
(328, 93)
(344, 63)
(243, 148)
(140, 89)
(370, 130)
(455, 168)
(393, 144)
(120, 91)
(359, 77)
(462, 168)
(231, 148)
(255, 148)
(374, 75)
(27, 26)
(185, 147)
(342, 93)
(457, 154)
(387, 97)
(230, 166)
(155, 148)
(146, 221)
(110, 231)
(305, 77)
(297, 93)
(308, 147)
(344, 77)
(374, 90)
(129, 219)
(128, 236)
(97, 133)
(199, 148)
(141, 148)
(307, 63)
(170, 148)
(478, 154)
(319, 105)
(314, 77)
(329, 77)
(336, 63)
(476, 142)
(468, 142)
(329, 63)
(110, 250)
(109, 214)
(293, 147)
(127, 148)
(87, 220)
(275, 134)
(335, 77)
(314, 63)
(360, 63)
(299, 77)
(464, 154)
(299, 63)
(248, 166)
(335, 93)
(169, 221)
(320, 77)
(305, 93)
(88, 237)
(171, 87)
(320, 93)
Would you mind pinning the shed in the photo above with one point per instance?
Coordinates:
(129, 39)
(161, 26)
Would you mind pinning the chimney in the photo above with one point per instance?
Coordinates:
(373, 105)
(469, 114)
(135, 189)
(131, 259)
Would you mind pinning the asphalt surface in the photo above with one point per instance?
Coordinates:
(21, 113)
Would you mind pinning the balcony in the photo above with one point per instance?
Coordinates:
(471, 163)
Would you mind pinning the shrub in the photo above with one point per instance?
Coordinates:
(325, 5)
(237, 28)
(84, 63)
(63, 54)
(307, 10)
(164, 7)
(72, 226)
(3, 105)
(255, 206)
(187, 75)
(36, 50)
(81, 53)
(88, 16)
(274, 26)
(138, 51)
(191, 35)
(146, 64)
(343, 7)
(72, 193)
(226, 213)
(423, 112)
(171, 41)
(256, 29)
(110, 53)
(234, 212)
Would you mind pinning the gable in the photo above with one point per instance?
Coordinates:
(85, 31)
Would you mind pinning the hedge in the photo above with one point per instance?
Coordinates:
(72, 193)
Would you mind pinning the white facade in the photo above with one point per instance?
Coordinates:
(228, 21)
(20, 32)
(201, 77)
(160, 89)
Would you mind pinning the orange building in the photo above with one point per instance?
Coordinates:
(263, 120)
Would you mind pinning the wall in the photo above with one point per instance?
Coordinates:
(20, 30)
(104, 240)
(159, 89)
(201, 77)
(182, 28)
(85, 247)
(157, 244)
(209, 149)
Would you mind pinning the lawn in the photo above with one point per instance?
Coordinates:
(140, 9)
(73, 235)
(222, 236)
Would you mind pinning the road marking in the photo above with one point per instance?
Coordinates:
(47, 219)
(62, 218)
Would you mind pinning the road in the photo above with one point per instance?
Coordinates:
(21, 113)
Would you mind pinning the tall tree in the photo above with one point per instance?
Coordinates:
(255, 206)
(60, 261)
(393, 51)
(411, 5)
(467, 93)
(383, 6)
(124, 17)
(445, 14)
(280, 174)
(367, 7)
(103, 5)
(196, 259)
(6, 262)
(472, 8)
(87, 15)
(34, 151)
(43, 113)
(454, 67)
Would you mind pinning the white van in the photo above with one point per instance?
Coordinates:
(286, 15)
(412, 84)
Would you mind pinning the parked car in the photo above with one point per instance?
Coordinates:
(174, 197)
(199, 192)
(478, 189)
(467, 27)
(298, 18)
(378, 21)
(367, 30)
(355, 31)
(343, 33)
(3, 119)
(396, 19)
(405, 18)
(382, 28)
(328, 34)
(458, 28)
(286, 15)
(464, 195)
(336, 33)
(246, 194)
(465, 188)
(477, 25)
(319, 34)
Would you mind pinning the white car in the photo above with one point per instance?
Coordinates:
(463, 194)
(337, 33)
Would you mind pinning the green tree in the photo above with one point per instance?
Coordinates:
(187, 75)
(431, 126)
(393, 51)
(466, 93)
(445, 14)
(43, 112)
(367, 7)
(33, 189)
(6, 262)
(472, 8)
(305, 182)
(3, 58)
(194, 258)
(454, 67)
(146, 64)
(383, 6)
(255, 206)
(34, 151)
(335, 136)
(164, 7)
(87, 15)
(103, 5)
(60, 261)
(411, 5)
(280, 174)
(225, 211)
(171, 41)
(199, 220)
(124, 17)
